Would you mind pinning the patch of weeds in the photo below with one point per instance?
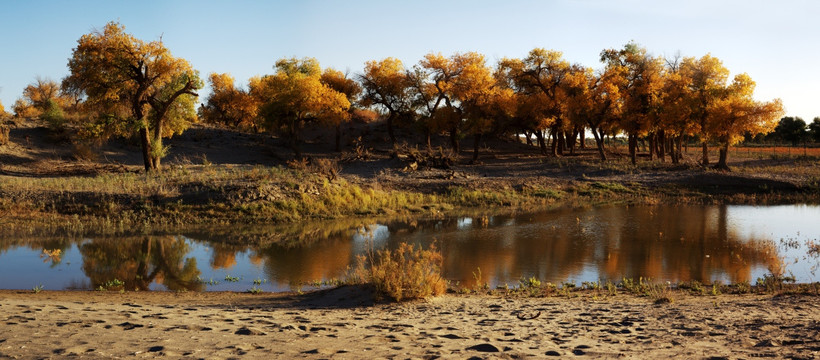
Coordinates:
(742, 287)
(547, 193)
(37, 289)
(229, 278)
(694, 287)
(259, 281)
(661, 294)
(255, 290)
(716, 288)
(611, 288)
(210, 281)
(772, 283)
(115, 284)
(532, 286)
(478, 283)
(408, 272)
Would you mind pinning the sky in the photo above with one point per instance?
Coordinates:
(776, 42)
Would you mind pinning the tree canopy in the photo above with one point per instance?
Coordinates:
(130, 85)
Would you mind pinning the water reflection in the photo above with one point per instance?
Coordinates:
(140, 262)
(674, 243)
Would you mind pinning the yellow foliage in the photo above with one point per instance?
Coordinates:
(403, 274)
(295, 95)
(228, 105)
(129, 85)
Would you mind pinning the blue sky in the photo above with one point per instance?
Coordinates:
(776, 42)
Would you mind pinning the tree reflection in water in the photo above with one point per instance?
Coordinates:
(675, 243)
(141, 261)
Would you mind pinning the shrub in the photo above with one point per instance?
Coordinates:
(4, 135)
(406, 273)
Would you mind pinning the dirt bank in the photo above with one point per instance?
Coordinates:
(345, 323)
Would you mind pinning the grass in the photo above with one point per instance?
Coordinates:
(406, 273)
(115, 203)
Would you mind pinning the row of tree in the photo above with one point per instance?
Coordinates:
(120, 85)
(793, 130)
(541, 96)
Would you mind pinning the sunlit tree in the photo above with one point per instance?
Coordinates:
(228, 105)
(295, 96)
(539, 79)
(593, 99)
(737, 113)
(641, 90)
(133, 85)
(385, 84)
(340, 82)
(706, 78)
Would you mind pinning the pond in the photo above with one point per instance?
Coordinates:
(664, 243)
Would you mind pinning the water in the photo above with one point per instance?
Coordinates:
(664, 243)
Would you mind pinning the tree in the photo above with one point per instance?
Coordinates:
(295, 96)
(228, 105)
(45, 93)
(133, 85)
(737, 113)
(706, 78)
(641, 91)
(339, 81)
(464, 86)
(594, 100)
(540, 79)
(814, 129)
(386, 84)
(23, 109)
(791, 129)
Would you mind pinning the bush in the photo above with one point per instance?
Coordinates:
(4, 135)
(403, 274)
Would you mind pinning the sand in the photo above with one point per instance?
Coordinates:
(344, 323)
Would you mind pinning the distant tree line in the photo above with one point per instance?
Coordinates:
(790, 130)
(120, 85)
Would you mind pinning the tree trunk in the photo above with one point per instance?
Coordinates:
(145, 141)
(705, 159)
(528, 137)
(662, 146)
(672, 154)
(722, 159)
(427, 137)
(571, 141)
(339, 137)
(454, 139)
(583, 135)
(599, 141)
(539, 135)
(562, 142)
(653, 143)
(156, 152)
(295, 142)
(554, 144)
(633, 148)
(390, 128)
(476, 145)
(680, 148)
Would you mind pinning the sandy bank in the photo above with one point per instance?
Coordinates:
(343, 323)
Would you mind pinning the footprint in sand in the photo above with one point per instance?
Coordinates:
(130, 326)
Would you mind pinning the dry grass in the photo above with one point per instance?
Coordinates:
(406, 273)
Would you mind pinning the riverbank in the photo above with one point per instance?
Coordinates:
(221, 177)
(346, 323)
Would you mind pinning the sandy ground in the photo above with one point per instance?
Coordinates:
(344, 323)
